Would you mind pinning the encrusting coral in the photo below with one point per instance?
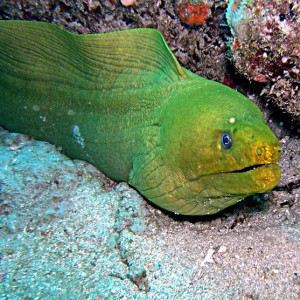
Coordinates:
(266, 48)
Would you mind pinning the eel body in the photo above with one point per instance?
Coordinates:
(122, 102)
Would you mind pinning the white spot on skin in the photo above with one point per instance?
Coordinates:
(35, 107)
(70, 112)
(231, 120)
(77, 136)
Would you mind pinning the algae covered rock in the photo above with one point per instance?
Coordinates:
(266, 48)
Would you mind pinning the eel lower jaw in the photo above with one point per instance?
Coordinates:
(260, 178)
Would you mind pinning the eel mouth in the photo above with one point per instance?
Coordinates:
(250, 168)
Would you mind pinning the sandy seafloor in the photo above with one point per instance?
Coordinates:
(68, 232)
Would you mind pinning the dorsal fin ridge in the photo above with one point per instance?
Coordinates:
(132, 59)
(141, 53)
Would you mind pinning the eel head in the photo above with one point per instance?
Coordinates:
(215, 149)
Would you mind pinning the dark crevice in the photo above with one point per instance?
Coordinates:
(290, 186)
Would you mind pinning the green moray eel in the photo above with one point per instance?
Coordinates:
(122, 102)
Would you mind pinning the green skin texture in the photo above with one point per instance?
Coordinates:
(122, 102)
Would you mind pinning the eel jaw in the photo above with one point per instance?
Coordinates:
(263, 172)
(249, 168)
(264, 177)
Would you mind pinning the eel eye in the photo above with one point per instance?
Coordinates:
(226, 140)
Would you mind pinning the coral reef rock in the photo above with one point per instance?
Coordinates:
(266, 48)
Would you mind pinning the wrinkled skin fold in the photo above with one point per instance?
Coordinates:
(122, 102)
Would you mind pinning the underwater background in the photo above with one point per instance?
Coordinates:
(69, 232)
